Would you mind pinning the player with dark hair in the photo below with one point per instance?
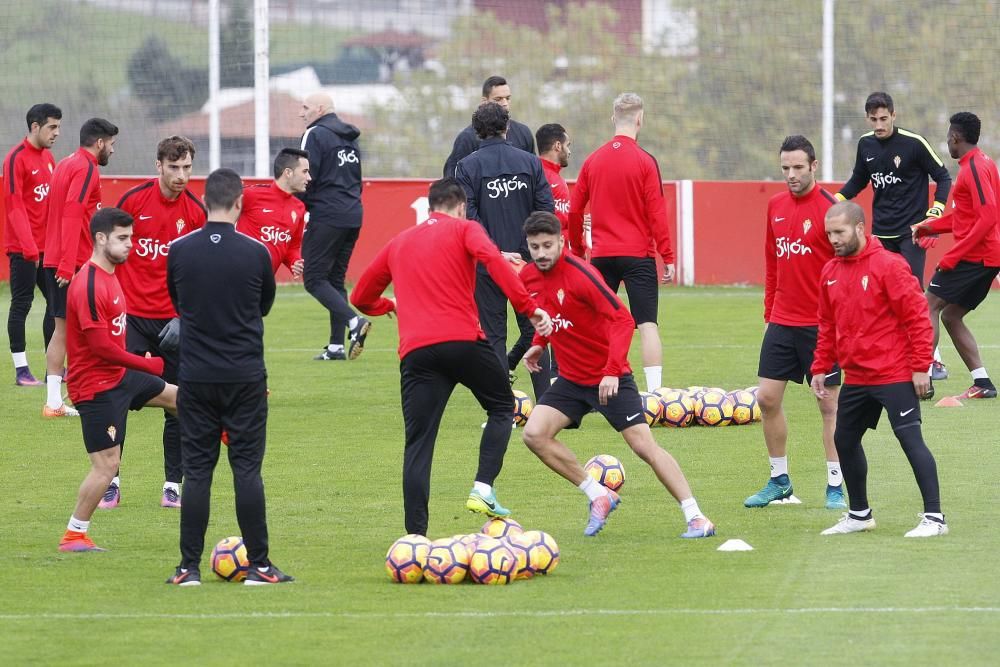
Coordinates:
(591, 332)
(496, 90)
(164, 209)
(795, 251)
(273, 215)
(874, 323)
(222, 285)
(622, 183)
(74, 195)
(897, 163)
(503, 185)
(333, 199)
(105, 381)
(27, 172)
(967, 271)
(441, 343)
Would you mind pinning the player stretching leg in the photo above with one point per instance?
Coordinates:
(591, 335)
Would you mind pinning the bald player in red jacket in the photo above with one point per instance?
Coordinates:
(433, 271)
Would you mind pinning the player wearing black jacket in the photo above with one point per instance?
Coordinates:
(333, 202)
(897, 163)
(504, 185)
(495, 89)
(222, 285)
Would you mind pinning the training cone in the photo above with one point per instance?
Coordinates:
(948, 402)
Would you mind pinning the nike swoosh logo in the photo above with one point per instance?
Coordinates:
(903, 414)
(869, 159)
(830, 282)
(778, 219)
(145, 217)
(268, 210)
(116, 300)
(533, 294)
(34, 171)
(267, 576)
(830, 375)
(935, 285)
(628, 419)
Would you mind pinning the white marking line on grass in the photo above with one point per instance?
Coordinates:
(503, 614)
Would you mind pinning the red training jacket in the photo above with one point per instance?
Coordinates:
(873, 319)
(27, 172)
(276, 219)
(975, 217)
(433, 270)
(560, 193)
(74, 196)
(795, 251)
(95, 335)
(156, 222)
(592, 327)
(627, 209)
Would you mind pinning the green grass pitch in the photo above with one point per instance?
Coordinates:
(637, 594)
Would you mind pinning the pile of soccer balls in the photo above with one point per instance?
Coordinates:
(706, 406)
(679, 408)
(502, 552)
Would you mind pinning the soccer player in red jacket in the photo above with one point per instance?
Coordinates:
(74, 195)
(27, 172)
(433, 270)
(105, 381)
(273, 215)
(967, 271)
(164, 209)
(622, 182)
(795, 251)
(591, 332)
(874, 323)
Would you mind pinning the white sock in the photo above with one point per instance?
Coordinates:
(353, 322)
(980, 373)
(833, 476)
(482, 489)
(862, 514)
(937, 354)
(591, 487)
(690, 509)
(116, 481)
(77, 525)
(936, 516)
(335, 348)
(20, 359)
(779, 465)
(53, 388)
(654, 377)
(930, 369)
(173, 486)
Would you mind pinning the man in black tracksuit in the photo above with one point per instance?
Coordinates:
(495, 89)
(504, 185)
(898, 163)
(333, 202)
(222, 285)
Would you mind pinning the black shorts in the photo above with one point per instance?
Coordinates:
(914, 255)
(56, 304)
(143, 335)
(786, 353)
(576, 400)
(966, 285)
(641, 283)
(104, 417)
(860, 406)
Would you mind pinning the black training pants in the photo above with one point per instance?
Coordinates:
(205, 410)
(428, 375)
(24, 277)
(326, 252)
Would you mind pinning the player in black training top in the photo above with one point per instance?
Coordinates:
(898, 163)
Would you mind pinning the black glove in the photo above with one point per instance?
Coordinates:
(170, 336)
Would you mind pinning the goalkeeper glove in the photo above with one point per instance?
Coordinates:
(935, 211)
(170, 336)
(927, 242)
